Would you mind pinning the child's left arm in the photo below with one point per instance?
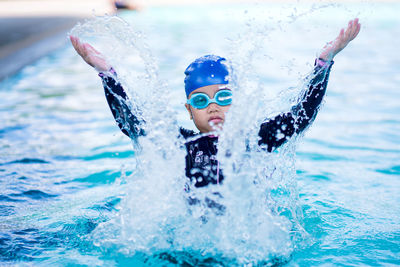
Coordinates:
(129, 122)
(275, 132)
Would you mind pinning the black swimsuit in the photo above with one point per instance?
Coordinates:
(202, 166)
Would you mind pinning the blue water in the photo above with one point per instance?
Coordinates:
(73, 190)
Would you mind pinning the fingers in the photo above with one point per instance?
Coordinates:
(73, 41)
(83, 49)
(341, 35)
(356, 29)
(77, 45)
(352, 30)
(345, 36)
(342, 40)
(89, 54)
(348, 31)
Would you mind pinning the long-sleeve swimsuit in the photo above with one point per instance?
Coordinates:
(202, 167)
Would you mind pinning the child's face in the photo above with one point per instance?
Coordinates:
(212, 117)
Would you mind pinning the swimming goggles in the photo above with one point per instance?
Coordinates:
(201, 100)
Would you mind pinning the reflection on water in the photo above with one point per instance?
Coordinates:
(74, 191)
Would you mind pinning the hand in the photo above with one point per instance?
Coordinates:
(91, 56)
(343, 39)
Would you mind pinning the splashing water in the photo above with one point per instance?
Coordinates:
(259, 221)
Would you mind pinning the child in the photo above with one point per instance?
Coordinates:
(209, 98)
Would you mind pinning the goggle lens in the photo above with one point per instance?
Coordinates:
(200, 101)
(224, 97)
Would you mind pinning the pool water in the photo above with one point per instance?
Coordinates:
(75, 191)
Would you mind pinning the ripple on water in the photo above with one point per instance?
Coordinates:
(27, 161)
(6, 210)
(392, 170)
(5, 198)
(34, 194)
(321, 156)
(108, 154)
(103, 177)
(8, 130)
(31, 244)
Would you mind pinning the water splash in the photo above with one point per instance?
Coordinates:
(251, 218)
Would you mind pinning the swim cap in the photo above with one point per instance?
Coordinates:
(206, 70)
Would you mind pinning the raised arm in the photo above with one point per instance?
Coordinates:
(275, 132)
(129, 122)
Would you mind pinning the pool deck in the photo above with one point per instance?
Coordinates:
(31, 29)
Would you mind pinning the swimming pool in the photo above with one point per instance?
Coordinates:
(75, 192)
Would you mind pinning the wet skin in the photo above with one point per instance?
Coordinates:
(212, 117)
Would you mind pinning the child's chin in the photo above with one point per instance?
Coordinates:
(216, 127)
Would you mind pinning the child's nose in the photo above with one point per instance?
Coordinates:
(213, 107)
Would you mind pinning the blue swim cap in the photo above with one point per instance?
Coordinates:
(206, 70)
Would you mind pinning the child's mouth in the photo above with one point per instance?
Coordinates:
(215, 120)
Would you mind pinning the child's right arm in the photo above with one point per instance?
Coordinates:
(129, 123)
